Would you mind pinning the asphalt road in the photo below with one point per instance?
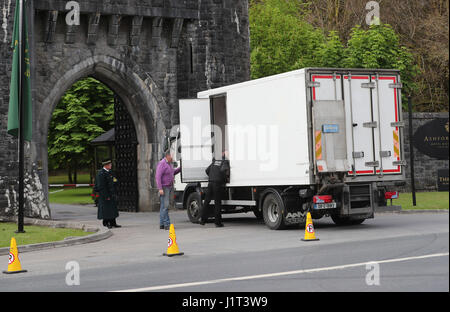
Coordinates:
(410, 252)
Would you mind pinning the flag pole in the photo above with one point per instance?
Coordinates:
(20, 215)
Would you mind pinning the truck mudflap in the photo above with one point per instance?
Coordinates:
(294, 211)
(295, 217)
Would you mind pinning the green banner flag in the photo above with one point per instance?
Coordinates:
(14, 104)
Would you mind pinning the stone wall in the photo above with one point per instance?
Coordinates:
(425, 167)
(149, 52)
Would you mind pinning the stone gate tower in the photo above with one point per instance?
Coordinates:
(149, 52)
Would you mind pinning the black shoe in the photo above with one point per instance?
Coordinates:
(201, 222)
(167, 227)
(219, 224)
(161, 227)
(109, 226)
(116, 226)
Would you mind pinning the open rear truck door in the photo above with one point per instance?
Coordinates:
(196, 142)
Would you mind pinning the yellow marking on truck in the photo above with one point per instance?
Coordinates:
(396, 144)
(318, 144)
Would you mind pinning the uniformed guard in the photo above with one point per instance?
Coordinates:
(218, 173)
(105, 186)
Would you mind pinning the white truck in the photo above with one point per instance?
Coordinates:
(323, 140)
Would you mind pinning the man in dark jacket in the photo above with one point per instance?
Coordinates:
(107, 206)
(218, 173)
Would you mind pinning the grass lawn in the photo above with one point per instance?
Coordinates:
(83, 178)
(424, 200)
(34, 234)
(73, 196)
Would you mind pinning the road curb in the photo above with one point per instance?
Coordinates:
(382, 209)
(412, 211)
(100, 234)
(425, 211)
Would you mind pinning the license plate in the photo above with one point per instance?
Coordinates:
(325, 206)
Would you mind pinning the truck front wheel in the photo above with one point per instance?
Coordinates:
(273, 208)
(194, 205)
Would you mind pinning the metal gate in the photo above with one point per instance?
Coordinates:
(125, 158)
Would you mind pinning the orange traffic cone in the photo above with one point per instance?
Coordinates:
(14, 262)
(309, 230)
(172, 247)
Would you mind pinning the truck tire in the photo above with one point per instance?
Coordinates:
(272, 211)
(193, 207)
(338, 220)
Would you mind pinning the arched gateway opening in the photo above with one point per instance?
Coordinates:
(91, 124)
(138, 125)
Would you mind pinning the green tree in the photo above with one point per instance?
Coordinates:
(331, 51)
(280, 39)
(379, 47)
(84, 112)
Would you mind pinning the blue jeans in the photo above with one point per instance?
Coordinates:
(164, 207)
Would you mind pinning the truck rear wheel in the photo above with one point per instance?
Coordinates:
(338, 220)
(194, 205)
(273, 208)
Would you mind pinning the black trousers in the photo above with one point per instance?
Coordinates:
(111, 222)
(215, 191)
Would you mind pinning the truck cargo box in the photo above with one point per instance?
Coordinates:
(293, 128)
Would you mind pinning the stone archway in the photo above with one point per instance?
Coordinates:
(140, 99)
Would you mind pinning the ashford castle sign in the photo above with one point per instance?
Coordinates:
(432, 138)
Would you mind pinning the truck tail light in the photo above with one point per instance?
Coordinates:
(391, 195)
(322, 199)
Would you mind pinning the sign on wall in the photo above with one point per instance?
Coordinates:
(442, 180)
(432, 138)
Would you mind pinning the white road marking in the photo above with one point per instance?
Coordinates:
(56, 192)
(242, 278)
